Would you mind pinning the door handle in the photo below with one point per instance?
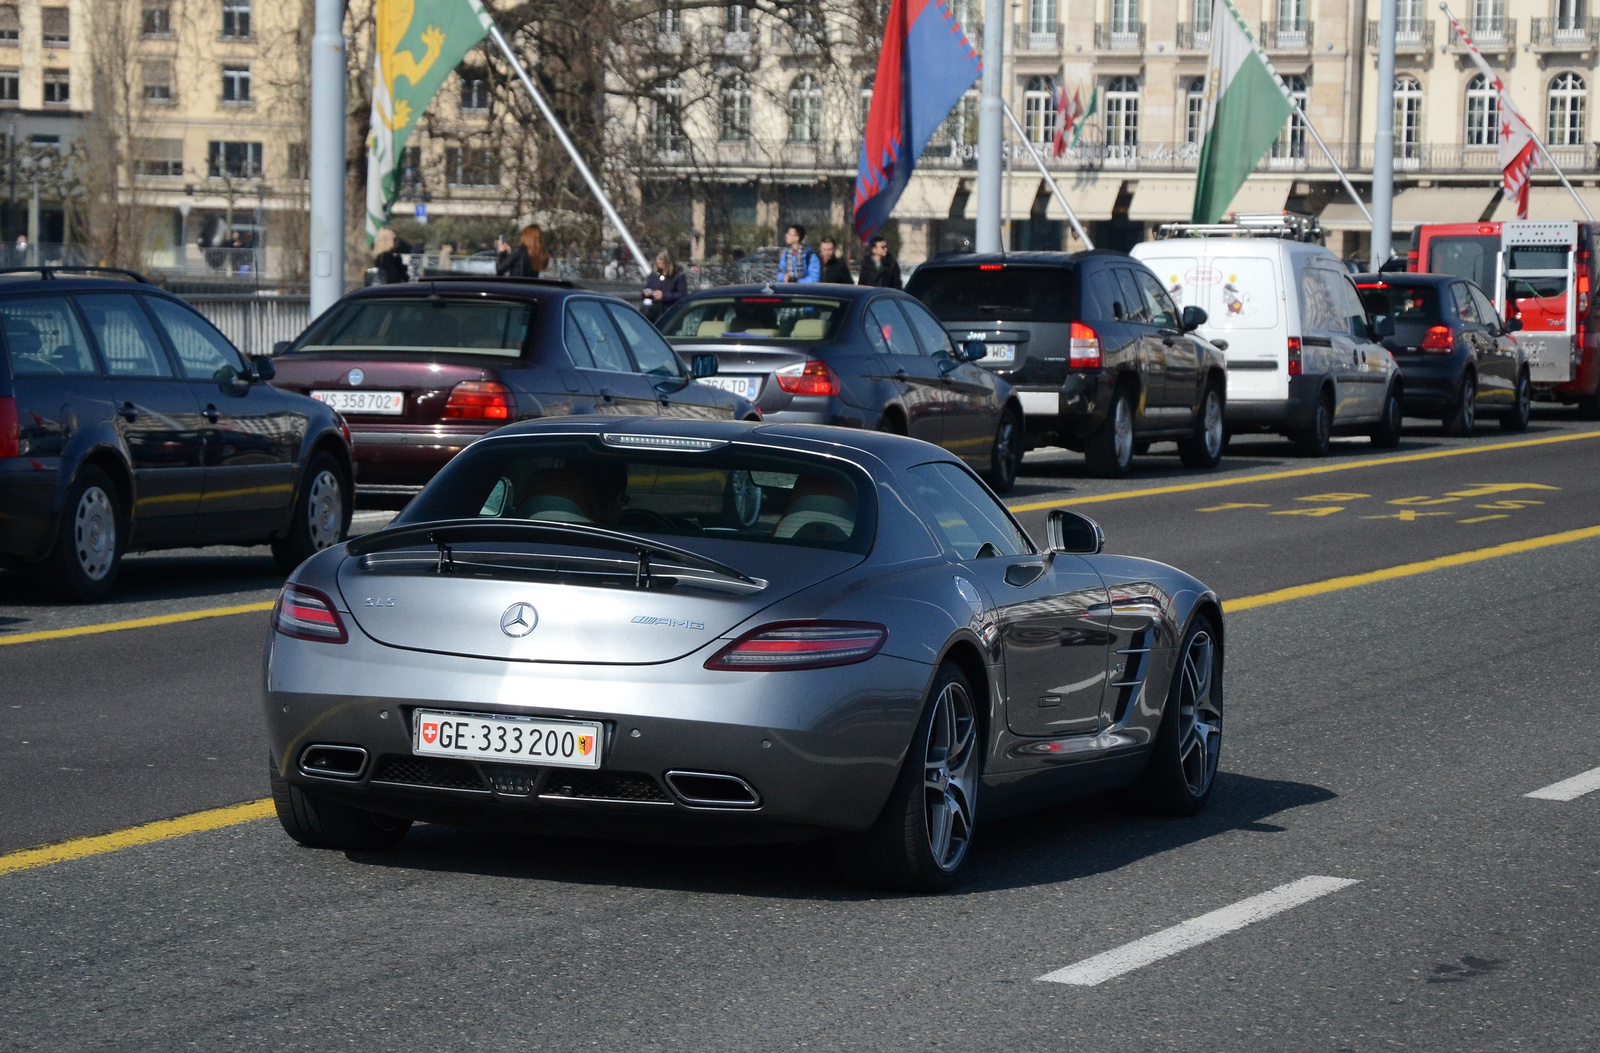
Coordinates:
(901, 374)
(129, 412)
(608, 395)
(210, 414)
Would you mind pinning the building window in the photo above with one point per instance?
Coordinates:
(805, 109)
(1124, 16)
(669, 21)
(412, 182)
(1568, 95)
(866, 99)
(962, 124)
(1488, 18)
(1408, 20)
(161, 158)
(1483, 113)
(666, 126)
(735, 109)
(157, 78)
(299, 163)
(1200, 17)
(57, 87)
(1291, 15)
(1194, 110)
(474, 91)
(10, 24)
(1407, 118)
(236, 84)
(736, 19)
(57, 25)
(155, 20)
(1039, 109)
(233, 160)
(1041, 17)
(1572, 16)
(10, 87)
(1292, 140)
(236, 19)
(1122, 114)
(471, 166)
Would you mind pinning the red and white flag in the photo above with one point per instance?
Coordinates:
(1519, 147)
(1067, 115)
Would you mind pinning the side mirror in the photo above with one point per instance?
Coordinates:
(704, 366)
(1382, 325)
(973, 350)
(281, 346)
(1193, 318)
(1513, 325)
(1220, 345)
(264, 368)
(1074, 532)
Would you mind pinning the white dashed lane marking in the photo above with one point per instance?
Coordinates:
(1570, 789)
(1195, 931)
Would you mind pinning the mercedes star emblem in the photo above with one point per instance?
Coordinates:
(519, 619)
(355, 377)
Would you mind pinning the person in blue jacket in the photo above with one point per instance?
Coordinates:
(797, 262)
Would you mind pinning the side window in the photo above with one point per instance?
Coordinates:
(203, 352)
(1321, 307)
(971, 520)
(654, 354)
(605, 347)
(1466, 310)
(1156, 301)
(1132, 300)
(1486, 311)
(1355, 314)
(935, 340)
(127, 340)
(884, 316)
(45, 339)
(577, 346)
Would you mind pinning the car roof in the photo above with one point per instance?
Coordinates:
(1035, 259)
(474, 285)
(1227, 246)
(1406, 278)
(54, 280)
(809, 289)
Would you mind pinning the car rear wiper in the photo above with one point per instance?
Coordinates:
(439, 534)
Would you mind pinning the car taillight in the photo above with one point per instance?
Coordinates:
(1439, 339)
(1583, 282)
(810, 378)
(10, 430)
(307, 614)
(1084, 348)
(801, 645)
(479, 400)
(1294, 356)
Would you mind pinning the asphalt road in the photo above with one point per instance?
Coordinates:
(1385, 734)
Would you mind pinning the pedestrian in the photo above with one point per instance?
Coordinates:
(797, 263)
(666, 286)
(389, 258)
(22, 250)
(447, 253)
(880, 268)
(834, 267)
(528, 259)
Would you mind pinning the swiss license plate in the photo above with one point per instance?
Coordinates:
(745, 387)
(390, 403)
(506, 739)
(999, 353)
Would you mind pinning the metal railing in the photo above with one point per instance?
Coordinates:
(1577, 34)
(1040, 37)
(255, 323)
(1286, 36)
(1119, 36)
(1490, 31)
(722, 42)
(1410, 36)
(801, 40)
(1193, 38)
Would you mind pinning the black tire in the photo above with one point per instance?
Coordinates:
(1141, 448)
(1589, 406)
(1462, 419)
(318, 823)
(1516, 419)
(1005, 456)
(1109, 450)
(1188, 747)
(909, 848)
(891, 423)
(1203, 449)
(1386, 433)
(1313, 439)
(83, 565)
(322, 509)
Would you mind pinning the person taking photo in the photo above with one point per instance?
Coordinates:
(665, 286)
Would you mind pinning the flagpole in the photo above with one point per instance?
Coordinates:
(1502, 93)
(1072, 217)
(572, 151)
(327, 156)
(990, 128)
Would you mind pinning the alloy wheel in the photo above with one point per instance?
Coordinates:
(1469, 405)
(1199, 715)
(1007, 452)
(1212, 423)
(325, 511)
(1122, 431)
(94, 533)
(949, 772)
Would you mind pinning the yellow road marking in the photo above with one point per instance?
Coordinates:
(135, 623)
(1406, 570)
(1295, 473)
(147, 833)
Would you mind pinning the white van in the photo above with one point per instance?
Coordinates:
(1286, 315)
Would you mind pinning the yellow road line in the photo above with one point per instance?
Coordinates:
(135, 623)
(1406, 570)
(1296, 473)
(148, 833)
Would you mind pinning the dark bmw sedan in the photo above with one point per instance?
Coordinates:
(857, 357)
(1457, 357)
(423, 369)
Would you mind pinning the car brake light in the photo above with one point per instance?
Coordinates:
(811, 378)
(1583, 282)
(10, 430)
(1083, 348)
(991, 266)
(1439, 339)
(1488, 228)
(1294, 356)
(479, 400)
(307, 614)
(801, 645)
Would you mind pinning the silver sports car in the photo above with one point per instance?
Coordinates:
(668, 630)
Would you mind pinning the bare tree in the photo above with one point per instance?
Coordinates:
(114, 221)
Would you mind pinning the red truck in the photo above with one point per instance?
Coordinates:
(1541, 272)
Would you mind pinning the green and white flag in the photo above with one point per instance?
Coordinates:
(416, 45)
(1246, 107)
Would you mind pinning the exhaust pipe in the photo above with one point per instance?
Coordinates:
(333, 762)
(700, 789)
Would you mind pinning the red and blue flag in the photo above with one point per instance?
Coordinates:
(924, 69)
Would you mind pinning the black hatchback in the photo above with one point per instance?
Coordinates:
(128, 422)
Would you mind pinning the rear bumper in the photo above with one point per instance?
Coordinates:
(387, 458)
(1071, 412)
(1286, 414)
(27, 509)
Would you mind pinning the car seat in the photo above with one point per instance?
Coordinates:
(558, 496)
(821, 509)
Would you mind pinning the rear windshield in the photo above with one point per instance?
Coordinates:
(430, 326)
(1416, 304)
(747, 318)
(973, 294)
(731, 493)
(1469, 256)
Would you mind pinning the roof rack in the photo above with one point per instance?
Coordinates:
(559, 283)
(49, 272)
(1291, 226)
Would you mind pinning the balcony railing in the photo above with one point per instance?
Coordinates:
(1038, 37)
(1409, 36)
(1193, 38)
(1490, 32)
(801, 41)
(1119, 36)
(1286, 36)
(720, 41)
(1564, 34)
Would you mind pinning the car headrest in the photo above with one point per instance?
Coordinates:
(558, 496)
(24, 338)
(809, 329)
(711, 327)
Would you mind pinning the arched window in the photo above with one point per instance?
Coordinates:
(1039, 109)
(866, 99)
(805, 109)
(1194, 109)
(1292, 140)
(1122, 114)
(1407, 118)
(666, 110)
(1483, 113)
(735, 109)
(1568, 100)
